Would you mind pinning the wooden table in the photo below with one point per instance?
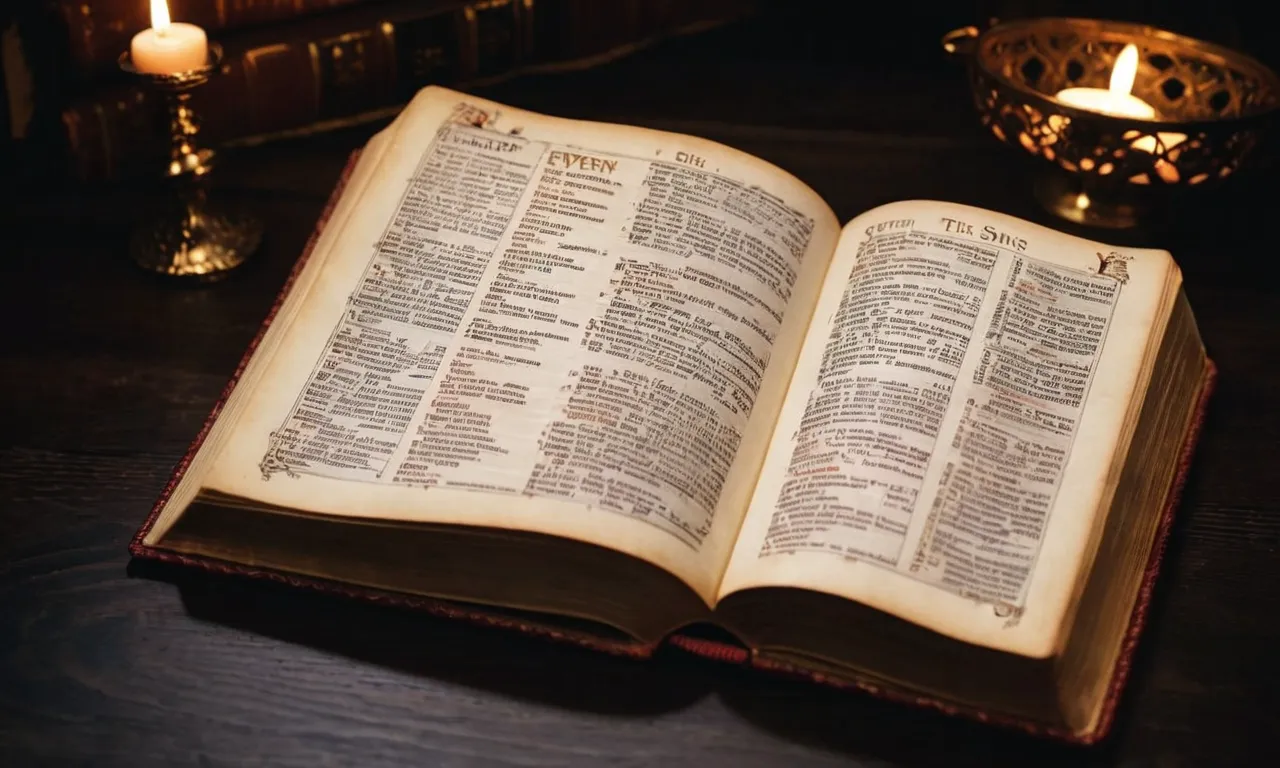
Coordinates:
(107, 374)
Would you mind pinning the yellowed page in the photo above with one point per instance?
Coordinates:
(952, 420)
(189, 486)
(544, 325)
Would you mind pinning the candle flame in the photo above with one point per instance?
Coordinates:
(1122, 74)
(160, 16)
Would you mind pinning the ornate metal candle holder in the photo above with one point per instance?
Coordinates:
(194, 237)
(1215, 110)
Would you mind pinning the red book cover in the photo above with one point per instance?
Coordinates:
(710, 649)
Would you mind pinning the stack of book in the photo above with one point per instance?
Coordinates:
(296, 66)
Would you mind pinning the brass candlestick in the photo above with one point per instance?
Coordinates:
(1217, 112)
(194, 237)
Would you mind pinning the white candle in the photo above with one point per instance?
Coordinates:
(167, 49)
(1098, 100)
(1115, 100)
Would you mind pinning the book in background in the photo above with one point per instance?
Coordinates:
(97, 32)
(323, 64)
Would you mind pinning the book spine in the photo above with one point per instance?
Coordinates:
(338, 74)
(97, 32)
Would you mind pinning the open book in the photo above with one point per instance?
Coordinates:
(625, 382)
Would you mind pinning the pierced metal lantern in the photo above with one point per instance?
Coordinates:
(1213, 111)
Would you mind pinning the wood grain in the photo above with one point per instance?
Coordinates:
(107, 375)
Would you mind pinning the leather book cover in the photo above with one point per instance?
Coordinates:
(710, 649)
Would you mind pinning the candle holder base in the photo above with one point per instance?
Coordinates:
(1070, 198)
(204, 241)
(195, 237)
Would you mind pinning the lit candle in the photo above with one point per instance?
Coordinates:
(1115, 100)
(167, 49)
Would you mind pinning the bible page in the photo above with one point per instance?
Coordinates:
(544, 325)
(344, 209)
(952, 422)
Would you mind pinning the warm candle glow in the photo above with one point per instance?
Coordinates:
(160, 16)
(168, 48)
(1122, 74)
(1116, 99)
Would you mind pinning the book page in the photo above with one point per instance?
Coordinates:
(340, 214)
(544, 325)
(952, 421)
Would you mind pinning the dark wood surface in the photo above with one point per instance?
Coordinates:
(108, 374)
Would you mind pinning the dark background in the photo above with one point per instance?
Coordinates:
(864, 39)
(107, 375)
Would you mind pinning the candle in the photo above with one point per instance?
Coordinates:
(1115, 100)
(167, 49)
(1118, 101)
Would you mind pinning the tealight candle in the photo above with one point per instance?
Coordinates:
(167, 49)
(1117, 99)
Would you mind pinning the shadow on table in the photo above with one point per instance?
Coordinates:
(862, 725)
(578, 679)
(419, 644)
